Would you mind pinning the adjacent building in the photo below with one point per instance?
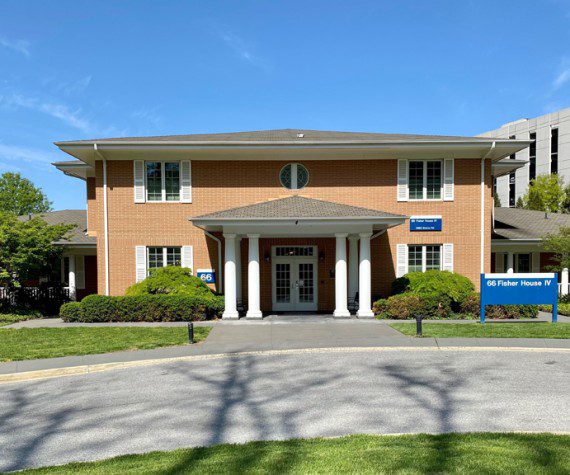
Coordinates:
(290, 220)
(548, 152)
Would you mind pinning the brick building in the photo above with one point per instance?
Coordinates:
(290, 220)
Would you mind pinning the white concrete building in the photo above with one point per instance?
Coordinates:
(550, 152)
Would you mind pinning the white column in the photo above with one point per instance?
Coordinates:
(352, 265)
(365, 278)
(71, 278)
(230, 311)
(340, 277)
(510, 263)
(564, 280)
(253, 280)
(239, 295)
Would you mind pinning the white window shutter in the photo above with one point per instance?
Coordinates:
(402, 260)
(80, 272)
(188, 257)
(448, 179)
(140, 192)
(186, 181)
(140, 255)
(535, 257)
(447, 263)
(403, 180)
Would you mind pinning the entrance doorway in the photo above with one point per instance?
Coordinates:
(294, 278)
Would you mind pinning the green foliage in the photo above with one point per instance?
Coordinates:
(71, 312)
(408, 305)
(500, 312)
(566, 202)
(144, 308)
(559, 244)
(546, 193)
(520, 203)
(442, 284)
(496, 200)
(20, 196)
(171, 280)
(26, 249)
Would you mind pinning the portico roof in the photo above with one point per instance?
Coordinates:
(300, 213)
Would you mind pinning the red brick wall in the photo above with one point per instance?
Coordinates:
(218, 185)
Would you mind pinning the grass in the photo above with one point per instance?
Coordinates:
(489, 330)
(410, 454)
(33, 343)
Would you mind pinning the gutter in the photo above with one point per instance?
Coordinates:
(220, 263)
(105, 217)
(489, 152)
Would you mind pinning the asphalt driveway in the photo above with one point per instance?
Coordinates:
(269, 396)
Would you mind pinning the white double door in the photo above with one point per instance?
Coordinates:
(294, 284)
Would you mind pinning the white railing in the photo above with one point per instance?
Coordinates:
(564, 291)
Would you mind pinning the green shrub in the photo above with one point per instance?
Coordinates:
(146, 308)
(71, 312)
(408, 305)
(171, 280)
(471, 305)
(435, 283)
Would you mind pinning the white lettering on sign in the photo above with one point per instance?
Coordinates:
(517, 283)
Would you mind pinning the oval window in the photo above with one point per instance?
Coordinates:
(294, 176)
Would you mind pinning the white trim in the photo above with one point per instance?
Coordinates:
(185, 181)
(140, 263)
(402, 192)
(447, 257)
(426, 216)
(401, 260)
(424, 179)
(448, 179)
(163, 182)
(523, 275)
(139, 181)
(106, 226)
(186, 257)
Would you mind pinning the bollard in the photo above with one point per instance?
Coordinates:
(190, 332)
(418, 325)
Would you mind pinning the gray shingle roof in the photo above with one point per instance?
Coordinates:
(298, 207)
(514, 223)
(78, 217)
(288, 135)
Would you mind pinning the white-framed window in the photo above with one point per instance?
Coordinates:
(163, 256)
(162, 181)
(424, 257)
(425, 179)
(294, 176)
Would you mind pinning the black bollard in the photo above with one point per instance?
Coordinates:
(418, 325)
(190, 332)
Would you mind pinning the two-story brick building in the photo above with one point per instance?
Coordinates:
(290, 220)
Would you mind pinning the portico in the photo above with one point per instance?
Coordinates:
(307, 243)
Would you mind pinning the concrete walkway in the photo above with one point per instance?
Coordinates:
(238, 337)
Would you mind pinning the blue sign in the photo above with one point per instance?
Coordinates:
(519, 289)
(425, 223)
(207, 275)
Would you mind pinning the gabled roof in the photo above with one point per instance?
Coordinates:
(289, 135)
(297, 207)
(77, 217)
(524, 224)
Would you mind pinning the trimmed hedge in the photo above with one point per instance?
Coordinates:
(453, 286)
(144, 308)
(170, 280)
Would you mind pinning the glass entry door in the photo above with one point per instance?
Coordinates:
(294, 284)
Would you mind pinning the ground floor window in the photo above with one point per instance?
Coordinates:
(523, 263)
(163, 256)
(424, 257)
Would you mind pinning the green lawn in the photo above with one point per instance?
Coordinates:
(489, 330)
(410, 454)
(33, 343)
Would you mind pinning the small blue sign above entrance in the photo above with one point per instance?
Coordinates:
(425, 223)
(520, 289)
(207, 275)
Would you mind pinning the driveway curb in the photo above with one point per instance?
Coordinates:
(97, 368)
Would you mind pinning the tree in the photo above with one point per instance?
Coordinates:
(26, 248)
(20, 196)
(566, 203)
(559, 245)
(545, 193)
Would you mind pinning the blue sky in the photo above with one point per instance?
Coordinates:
(89, 69)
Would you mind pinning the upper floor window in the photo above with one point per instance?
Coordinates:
(425, 179)
(532, 157)
(162, 181)
(554, 151)
(294, 176)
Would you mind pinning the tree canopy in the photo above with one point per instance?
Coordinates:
(559, 244)
(547, 193)
(20, 196)
(26, 248)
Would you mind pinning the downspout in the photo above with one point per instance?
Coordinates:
(483, 205)
(220, 263)
(105, 217)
